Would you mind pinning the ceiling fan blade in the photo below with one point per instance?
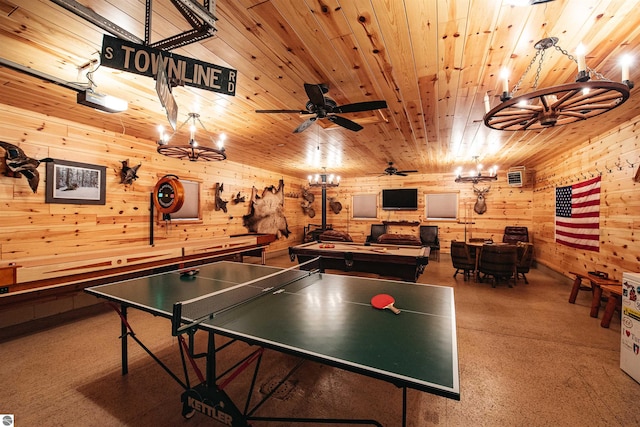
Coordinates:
(399, 172)
(315, 94)
(283, 111)
(305, 125)
(360, 106)
(345, 123)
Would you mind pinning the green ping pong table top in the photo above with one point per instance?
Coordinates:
(327, 318)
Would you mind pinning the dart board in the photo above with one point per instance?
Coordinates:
(168, 194)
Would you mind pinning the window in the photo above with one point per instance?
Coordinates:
(365, 206)
(441, 206)
(190, 210)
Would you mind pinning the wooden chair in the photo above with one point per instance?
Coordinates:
(462, 259)
(499, 263)
(429, 237)
(525, 259)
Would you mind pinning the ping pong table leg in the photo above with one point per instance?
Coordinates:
(211, 360)
(124, 335)
(404, 406)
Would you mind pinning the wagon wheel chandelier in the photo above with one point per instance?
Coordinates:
(192, 150)
(476, 175)
(557, 105)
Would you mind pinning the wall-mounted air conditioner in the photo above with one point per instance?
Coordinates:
(519, 176)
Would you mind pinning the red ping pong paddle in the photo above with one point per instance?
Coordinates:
(382, 301)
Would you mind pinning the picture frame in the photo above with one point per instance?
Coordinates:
(75, 183)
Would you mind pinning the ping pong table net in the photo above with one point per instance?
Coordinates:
(188, 314)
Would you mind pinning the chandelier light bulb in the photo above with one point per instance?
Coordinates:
(221, 138)
(504, 76)
(581, 51)
(625, 63)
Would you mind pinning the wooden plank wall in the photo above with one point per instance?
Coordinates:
(615, 155)
(505, 206)
(31, 228)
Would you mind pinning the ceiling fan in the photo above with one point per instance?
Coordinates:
(392, 170)
(322, 106)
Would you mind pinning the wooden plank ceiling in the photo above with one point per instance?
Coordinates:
(432, 61)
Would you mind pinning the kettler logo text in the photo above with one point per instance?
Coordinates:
(210, 411)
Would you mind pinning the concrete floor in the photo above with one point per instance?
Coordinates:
(527, 358)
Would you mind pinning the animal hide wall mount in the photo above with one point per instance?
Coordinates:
(220, 204)
(306, 203)
(266, 212)
(128, 174)
(481, 206)
(18, 164)
(237, 199)
(334, 205)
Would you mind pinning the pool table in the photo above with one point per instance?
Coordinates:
(405, 262)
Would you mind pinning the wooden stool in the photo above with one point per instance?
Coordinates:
(613, 303)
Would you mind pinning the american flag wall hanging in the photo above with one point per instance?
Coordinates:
(578, 215)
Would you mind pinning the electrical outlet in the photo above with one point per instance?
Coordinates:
(4, 290)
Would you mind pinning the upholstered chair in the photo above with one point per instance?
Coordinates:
(462, 259)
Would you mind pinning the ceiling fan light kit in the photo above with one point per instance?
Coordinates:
(557, 105)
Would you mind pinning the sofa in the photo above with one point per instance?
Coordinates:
(334, 236)
(399, 239)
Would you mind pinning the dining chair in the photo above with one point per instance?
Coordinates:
(525, 259)
(499, 263)
(461, 259)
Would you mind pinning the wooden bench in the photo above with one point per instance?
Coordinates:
(36, 273)
(614, 302)
(595, 286)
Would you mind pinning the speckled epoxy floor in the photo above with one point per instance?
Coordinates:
(527, 358)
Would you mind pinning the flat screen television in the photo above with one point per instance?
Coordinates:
(400, 199)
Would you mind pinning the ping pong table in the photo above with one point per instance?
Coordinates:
(299, 311)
